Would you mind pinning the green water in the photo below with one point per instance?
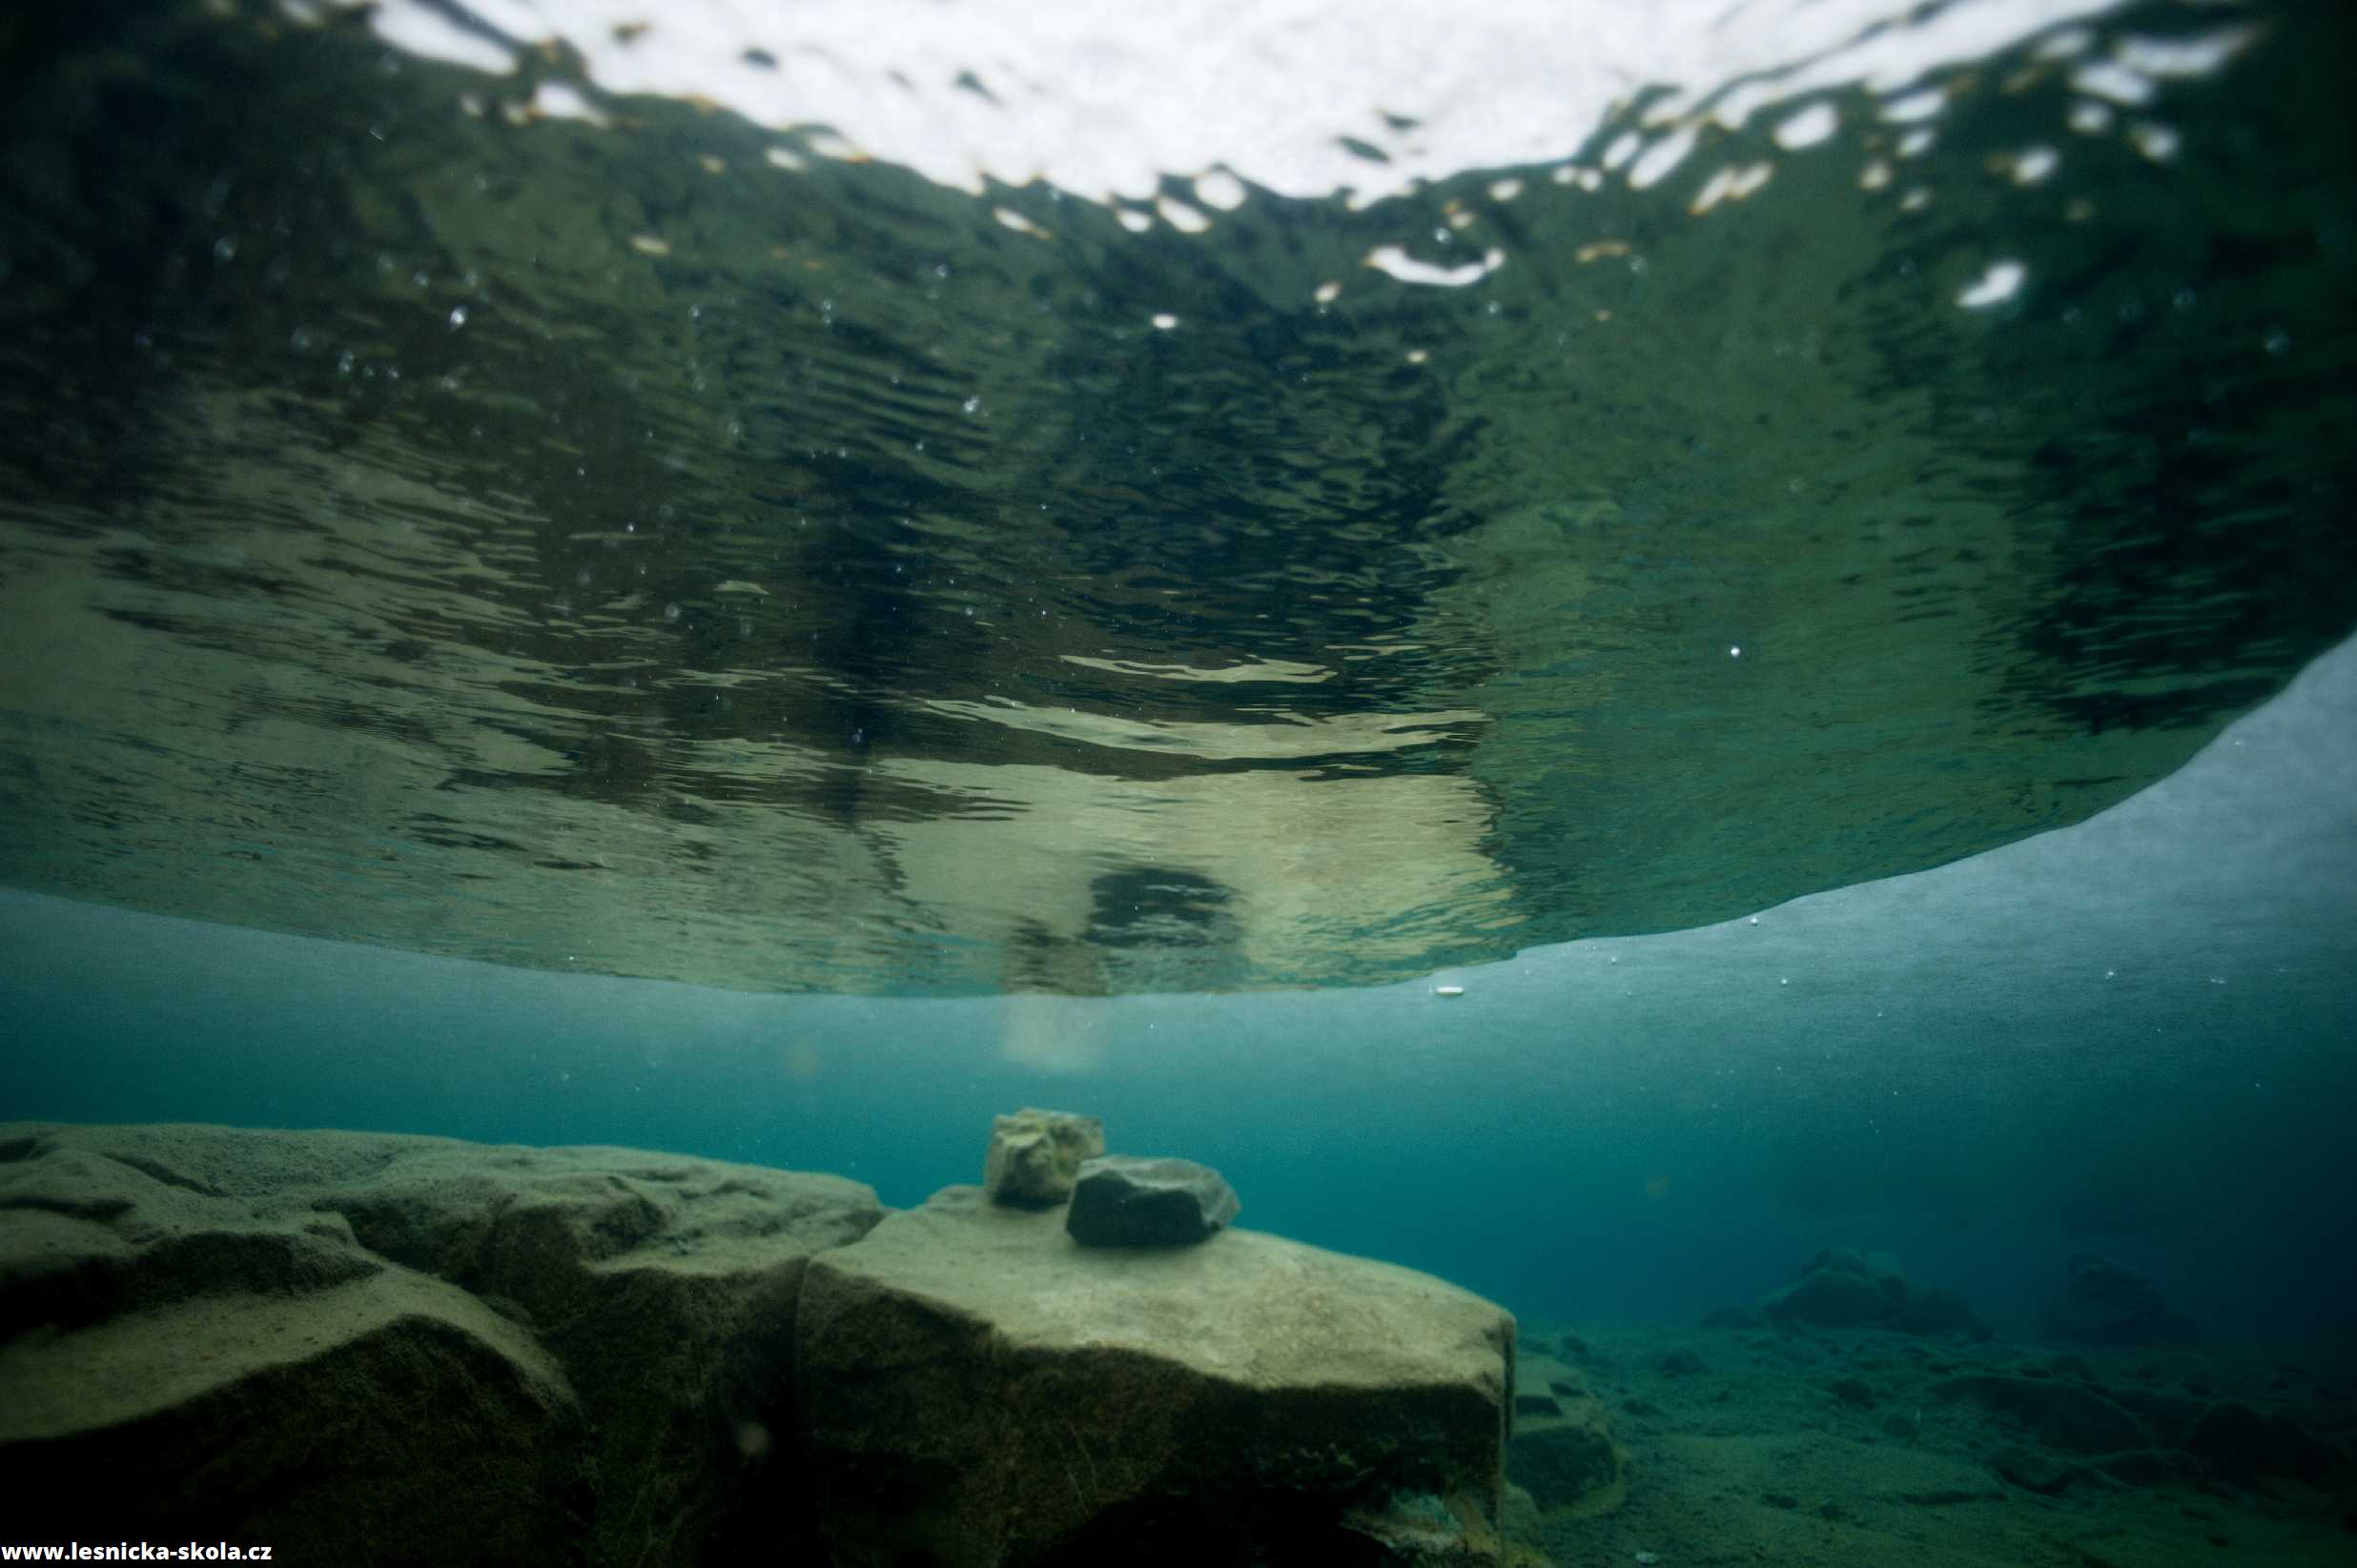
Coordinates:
(602, 547)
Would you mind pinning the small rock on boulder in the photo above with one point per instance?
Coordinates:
(1035, 1155)
(1124, 1201)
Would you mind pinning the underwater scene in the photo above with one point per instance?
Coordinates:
(952, 784)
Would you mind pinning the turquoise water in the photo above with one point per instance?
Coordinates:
(2128, 1036)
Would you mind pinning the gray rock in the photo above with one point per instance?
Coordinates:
(329, 1341)
(976, 1390)
(1035, 1155)
(1122, 1200)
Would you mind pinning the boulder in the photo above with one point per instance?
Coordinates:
(1036, 1156)
(1564, 1453)
(2105, 1303)
(977, 1388)
(1844, 1288)
(1121, 1200)
(2064, 1416)
(1833, 1298)
(2240, 1443)
(329, 1341)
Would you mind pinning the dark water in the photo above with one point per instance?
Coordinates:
(778, 624)
(596, 546)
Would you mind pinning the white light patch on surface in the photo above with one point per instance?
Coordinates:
(1219, 191)
(2035, 164)
(2157, 142)
(560, 101)
(2181, 58)
(2110, 79)
(1655, 162)
(1913, 106)
(1187, 220)
(1395, 262)
(1106, 102)
(2090, 118)
(433, 35)
(1999, 283)
(1810, 125)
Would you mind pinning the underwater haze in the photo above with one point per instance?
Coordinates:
(1595, 648)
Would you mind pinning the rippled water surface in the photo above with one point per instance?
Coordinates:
(948, 498)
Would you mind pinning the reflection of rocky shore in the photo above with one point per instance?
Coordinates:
(331, 1341)
(640, 543)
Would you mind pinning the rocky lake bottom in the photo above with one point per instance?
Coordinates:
(374, 1347)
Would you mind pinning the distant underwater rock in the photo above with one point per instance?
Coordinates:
(2061, 1415)
(2102, 1302)
(977, 1388)
(331, 1340)
(2239, 1443)
(1121, 1200)
(1036, 1156)
(1564, 1450)
(1844, 1288)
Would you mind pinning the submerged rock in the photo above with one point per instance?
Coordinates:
(1844, 1288)
(1563, 1452)
(2240, 1443)
(1121, 1200)
(330, 1341)
(1034, 1156)
(977, 1388)
(2105, 1303)
(2061, 1415)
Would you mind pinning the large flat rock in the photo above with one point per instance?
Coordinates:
(980, 1390)
(336, 1341)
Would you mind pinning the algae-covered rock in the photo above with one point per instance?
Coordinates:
(1036, 1156)
(979, 1389)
